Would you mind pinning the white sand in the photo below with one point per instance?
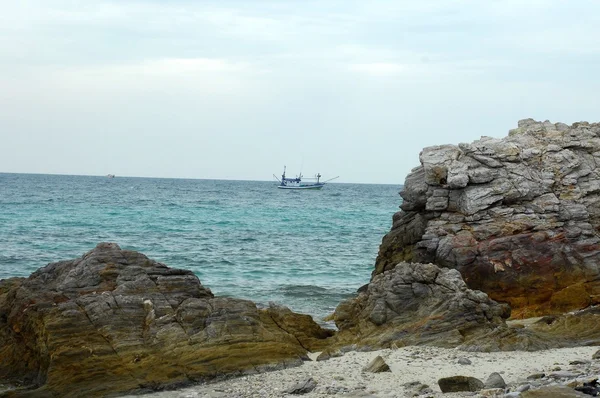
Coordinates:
(344, 376)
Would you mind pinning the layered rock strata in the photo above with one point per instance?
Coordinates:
(518, 217)
(423, 304)
(115, 320)
(416, 304)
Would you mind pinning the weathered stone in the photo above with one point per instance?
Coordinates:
(303, 387)
(416, 388)
(115, 321)
(377, 365)
(523, 387)
(563, 375)
(531, 207)
(494, 380)
(464, 361)
(416, 304)
(309, 334)
(460, 383)
(552, 392)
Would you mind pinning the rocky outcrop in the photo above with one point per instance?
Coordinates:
(416, 304)
(114, 321)
(518, 217)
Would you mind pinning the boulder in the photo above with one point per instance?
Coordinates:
(519, 217)
(460, 383)
(495, 380)
(416, 304)
(114, 321)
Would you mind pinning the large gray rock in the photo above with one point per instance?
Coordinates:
(494, 380)
(417, 304)
(518, 217)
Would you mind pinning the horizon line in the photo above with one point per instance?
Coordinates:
(179, 178)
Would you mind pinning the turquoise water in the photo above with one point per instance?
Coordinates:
(304, 249)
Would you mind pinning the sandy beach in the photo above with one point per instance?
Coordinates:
(344, 376)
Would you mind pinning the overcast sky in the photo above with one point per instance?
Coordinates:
(236, 89)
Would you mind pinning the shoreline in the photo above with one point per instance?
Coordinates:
(417, 365)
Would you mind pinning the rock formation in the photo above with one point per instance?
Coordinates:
(519, 217)
(115, 321)
(416, 304)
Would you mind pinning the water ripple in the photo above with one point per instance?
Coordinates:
(247, 239)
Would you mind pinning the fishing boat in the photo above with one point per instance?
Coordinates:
(296, 183)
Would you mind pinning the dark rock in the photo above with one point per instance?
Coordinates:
(519, 217)
(590, 388)
(580, 362)
(536, 376)
(460, 383)
(303, 387)
(115, 321)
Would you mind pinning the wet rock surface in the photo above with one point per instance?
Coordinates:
(518, 217)
(115, 320)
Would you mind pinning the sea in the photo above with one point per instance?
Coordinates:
(307, 250)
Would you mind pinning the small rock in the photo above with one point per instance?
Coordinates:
(377, 365)
(495, 381)
(416, 388)
(460, 383)
(596, 355)
(580, 362)
(303, 387)
(464, 361)
(524, 387)
(326, 355)
(552, 392)
(536, 376)
(563, 375)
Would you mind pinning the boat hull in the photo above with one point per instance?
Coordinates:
(315, 186)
